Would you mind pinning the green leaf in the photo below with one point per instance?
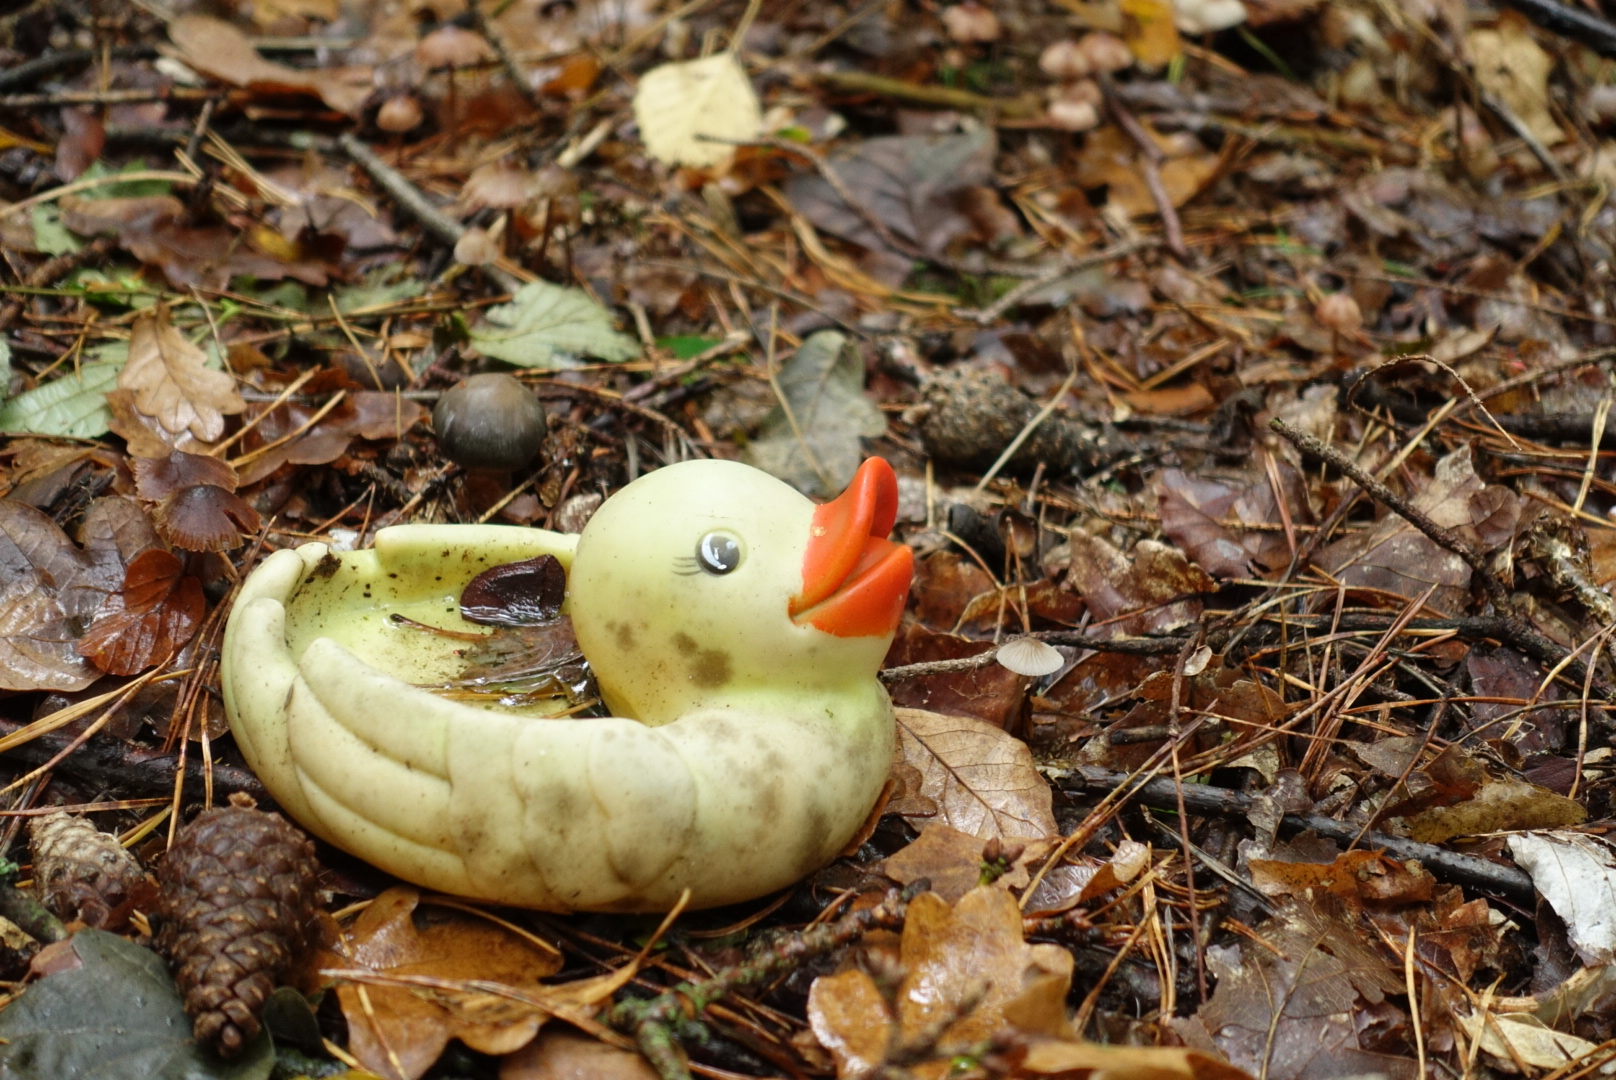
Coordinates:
(73, 406)
(684, 346)
(132, 189)
(547, 326)
(823, 383)
(379, 290)
(118, 1017)
(50, 235)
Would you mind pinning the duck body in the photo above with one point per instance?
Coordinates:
(734, 629)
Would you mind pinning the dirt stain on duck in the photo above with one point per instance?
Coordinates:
(708, 667)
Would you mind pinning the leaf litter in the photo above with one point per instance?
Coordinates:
(1063, 265)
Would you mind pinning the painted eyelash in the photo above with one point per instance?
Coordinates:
(686, 566)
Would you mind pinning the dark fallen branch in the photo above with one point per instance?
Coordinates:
(129, 771)
(1467, 870)
(37, 70)
(1575, 23)
(1575, 428)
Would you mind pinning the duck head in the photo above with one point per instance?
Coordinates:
(711, 582)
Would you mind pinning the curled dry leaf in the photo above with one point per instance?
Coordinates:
(982, 780)
(949, 954)
(156, 612)
(171, 381)
(396, 1022)
(205, 518)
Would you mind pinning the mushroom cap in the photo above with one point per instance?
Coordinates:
(489, 421)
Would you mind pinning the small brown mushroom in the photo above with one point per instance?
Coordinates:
(489, 421)
(399, 114)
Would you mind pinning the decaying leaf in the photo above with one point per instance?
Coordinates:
(1576, 875)
(412, 1023)
(562, 1055)
(158, 609)
(950, 955)
(1111, 160)
(547, 326)
(1286, 1009)
(982, 780)
(912, 184)
(171, 381)
(1509, 64)
(811, 441)
(1071, 1060)
(37, 649)
(73, 405)
(112, 1012)
(683, 105)
(1158, 584)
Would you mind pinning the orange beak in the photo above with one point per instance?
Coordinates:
(855, 580)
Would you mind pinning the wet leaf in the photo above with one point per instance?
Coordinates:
(452, 948)
(158, 610)
(113, 1016)
(171, 381)
(562, 1055)
(951, 860)
(1093, 1061)
(1355, 876)
(816, 449)
(547, 326)
(515, 594)
(949, 954)
(37, 648)
(982, 780)
(73, 405)
(677, 104)
(1505, 805)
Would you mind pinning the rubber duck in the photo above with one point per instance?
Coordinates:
(734, 629)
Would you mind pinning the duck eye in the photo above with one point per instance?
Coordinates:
(718, 553)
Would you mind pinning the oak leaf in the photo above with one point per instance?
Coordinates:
(982, 780)
(171, 381)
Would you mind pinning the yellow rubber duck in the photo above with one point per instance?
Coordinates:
(734, 629)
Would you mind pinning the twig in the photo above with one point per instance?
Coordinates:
(656, 1023)
(1025, 107)
(512, 70)
(1150, 162)
(104, 97)
(1582, 27)
(115, 765)
(1441, 537)
(415, 203)
(55, 63)
(1468, 870)
(939, 667)
(51, 270)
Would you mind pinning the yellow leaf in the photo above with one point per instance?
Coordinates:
(676, 105)
(1147, 27)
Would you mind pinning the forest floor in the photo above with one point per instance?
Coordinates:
(1246, 367)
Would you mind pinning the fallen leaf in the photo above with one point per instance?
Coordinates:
(158, 610)
(1356, 876)
(991, 693)
(114, 1015)
(1285, 1009)
(1520, 1037)
(215, 47)
(1576, 875)
(171, 381)
(562, 1055)
(73, 405)
(37, 648)
(949, 954)
(1110, 159)
(951, 860)
(816, 447)
(683, 105)
(1505, 805)
(547, 326)
(1157, 588)
(1094, 1061)
(912, 184)
(1148, 28)
(415, 1023)
(1512, 66)
(83, 138)
(982, 780)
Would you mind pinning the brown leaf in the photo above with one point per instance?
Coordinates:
(949, 954)
(215, 47)
(1397, 558)
(1506, 805)
(1094, 1061)
(37, 651)
(1192, 513)
(205, 518)
(1158, 583)
(1285, 1009)
(416, 1024)
(1110, 159)
(991, 693)
(83, 138)
(982, 780)
(171, 382)
(1358, 877)
(562, 1055)
(156, 612)
(949, 859)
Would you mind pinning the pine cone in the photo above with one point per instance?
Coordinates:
(238, 904)
(80, 871)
